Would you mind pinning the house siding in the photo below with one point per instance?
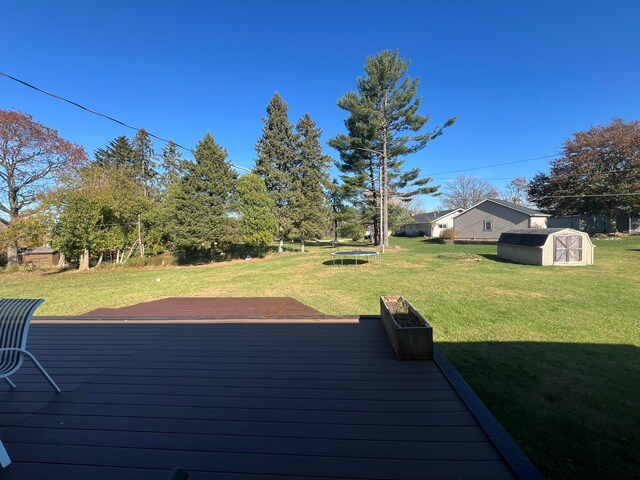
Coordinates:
(413, 229)
(469, 225)
(435, 231)
(429, 229)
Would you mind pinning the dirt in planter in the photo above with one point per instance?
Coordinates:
(403, 316)
(408, 320)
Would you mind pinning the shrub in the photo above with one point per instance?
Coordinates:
(448, 234)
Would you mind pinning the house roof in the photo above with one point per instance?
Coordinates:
(431, 216)
(514, 206)
(528, 237)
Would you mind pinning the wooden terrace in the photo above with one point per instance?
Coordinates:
(242, 398)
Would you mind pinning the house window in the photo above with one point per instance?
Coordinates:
(488, 226)
(443, 225)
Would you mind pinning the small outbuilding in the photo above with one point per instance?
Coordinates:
(546, 246)
(41, 257)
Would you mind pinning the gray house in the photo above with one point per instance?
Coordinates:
(625, 222)
(489, 218)
(429, 224)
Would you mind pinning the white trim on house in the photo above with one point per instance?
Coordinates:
(431, 227)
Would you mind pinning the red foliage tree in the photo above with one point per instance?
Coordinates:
(598, 173)
(31, 156)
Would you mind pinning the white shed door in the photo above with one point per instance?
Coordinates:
(568, 249)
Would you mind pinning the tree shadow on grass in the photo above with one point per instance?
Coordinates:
(495, 258)
(347, 262)
(431, 241)
(68, 268)
(571, 406)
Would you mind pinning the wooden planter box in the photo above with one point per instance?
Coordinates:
(409, 342)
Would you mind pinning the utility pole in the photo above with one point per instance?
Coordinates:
(380, 239)
(385, 177)
(383, 241)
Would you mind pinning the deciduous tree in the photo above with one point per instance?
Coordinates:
(598, 173)
(31, 156)
(465, 191)
(517, 191)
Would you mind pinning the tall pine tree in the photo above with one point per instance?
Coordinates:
(276, 161)
(311, 181)
(118, 153)
(199, 206)
(383, 127)
(143, 161)
(172, 165)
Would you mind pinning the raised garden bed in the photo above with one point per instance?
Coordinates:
(409, 333)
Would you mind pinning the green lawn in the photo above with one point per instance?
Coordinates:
(554, 352)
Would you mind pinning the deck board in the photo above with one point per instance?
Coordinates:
(245, 400)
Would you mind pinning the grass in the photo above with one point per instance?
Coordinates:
(554, 352)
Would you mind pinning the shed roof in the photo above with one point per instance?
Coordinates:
(39, 251)
(529, 237)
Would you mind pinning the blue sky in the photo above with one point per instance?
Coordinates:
(520, 76)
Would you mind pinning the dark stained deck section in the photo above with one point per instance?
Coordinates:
(210, 306)
(249, 400)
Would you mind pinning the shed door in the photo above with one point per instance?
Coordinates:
(568, 248)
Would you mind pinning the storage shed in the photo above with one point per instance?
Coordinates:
(546, 246)
(41, 257)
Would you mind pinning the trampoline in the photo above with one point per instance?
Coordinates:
(364, 255)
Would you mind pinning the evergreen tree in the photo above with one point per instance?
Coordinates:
(172, 164)
(199, 204)
(143, 161)
(311, 180)
(118, 153)
(276, 161)
(382, 128)
(254, 206)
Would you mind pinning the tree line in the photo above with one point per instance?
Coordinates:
(128, 200)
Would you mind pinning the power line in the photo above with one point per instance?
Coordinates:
(593, 195)
(75, 104)
(562, 196)
(493, 165)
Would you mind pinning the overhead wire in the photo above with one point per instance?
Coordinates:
(108, 117)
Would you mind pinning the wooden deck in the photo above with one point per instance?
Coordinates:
(253, 399)
(210, 306)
